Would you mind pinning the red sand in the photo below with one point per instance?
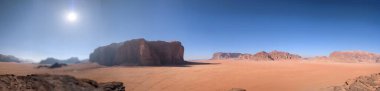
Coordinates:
(250, 75)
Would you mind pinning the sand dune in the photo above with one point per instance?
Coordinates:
(220, 76)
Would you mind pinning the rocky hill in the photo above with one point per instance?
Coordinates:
(9, 58)
(260, 56)
(50, 60)
(354, 56)
(45, 82)
(139, 52)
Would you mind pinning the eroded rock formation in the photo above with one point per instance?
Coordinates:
(362, 83)
(260, 56)
(46, 82)
(139, 52)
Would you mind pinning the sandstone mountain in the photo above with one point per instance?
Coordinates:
(139, 52)
(355, 56)
(9, 58)
(46, 82)
(260, 56)
(50, 60)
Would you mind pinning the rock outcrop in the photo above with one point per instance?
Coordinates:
(362, 83)
(221, 55)
(139, 52)
(354, 57)
(260, 56)
(50, 60)
(9, 58)
(45, 82)
(279, 55)
(53, 66)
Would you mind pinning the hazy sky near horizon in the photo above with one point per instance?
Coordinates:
(36, 29)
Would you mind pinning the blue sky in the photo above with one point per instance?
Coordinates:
(36, 29)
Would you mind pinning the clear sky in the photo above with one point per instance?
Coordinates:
(36, 29)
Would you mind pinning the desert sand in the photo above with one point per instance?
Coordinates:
(219, 75)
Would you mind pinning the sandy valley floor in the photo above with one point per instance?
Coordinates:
(218, 76)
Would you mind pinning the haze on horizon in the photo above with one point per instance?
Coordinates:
(36, 29)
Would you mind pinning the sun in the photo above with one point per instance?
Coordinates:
(72, 16)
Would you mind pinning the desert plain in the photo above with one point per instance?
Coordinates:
(213, 75)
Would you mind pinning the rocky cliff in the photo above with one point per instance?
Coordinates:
(139, 52)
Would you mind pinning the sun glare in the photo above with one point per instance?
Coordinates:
(71, 16)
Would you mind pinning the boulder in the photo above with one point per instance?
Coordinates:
(46, 82)
(139, 52)
(221, 55)
(354, 56)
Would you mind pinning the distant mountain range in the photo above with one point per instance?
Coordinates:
(260, 56)
(337, 56)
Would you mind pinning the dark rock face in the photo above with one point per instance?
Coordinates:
(221, 55)
(354, 56)
(260, 56)
(139, 52)
(50, 60)
(45, 82)
(362, 83)
(8, 58)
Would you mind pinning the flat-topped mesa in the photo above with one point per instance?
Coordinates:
(354, 56)
(221, 55)
(260, 56)
(139, 52)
